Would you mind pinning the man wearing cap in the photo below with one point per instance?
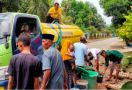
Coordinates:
(53, 66)
(54, 14)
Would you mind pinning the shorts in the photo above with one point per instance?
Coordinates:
(49, 19)
(78, 72)
(67, 64)
(72, 61)
(116, 66)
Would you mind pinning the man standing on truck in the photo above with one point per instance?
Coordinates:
(113, 59)
(54, 76)
(54, 14)
(24, 68)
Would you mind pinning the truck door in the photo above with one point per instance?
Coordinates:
(31, 26)
(5, 43)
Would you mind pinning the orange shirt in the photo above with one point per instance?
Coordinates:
(65, 50)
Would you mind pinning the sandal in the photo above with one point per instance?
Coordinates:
(107, 79)
(114, 82)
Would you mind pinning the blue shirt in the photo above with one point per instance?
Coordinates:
(80, 52)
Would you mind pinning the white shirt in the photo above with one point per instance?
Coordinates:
(95, 52)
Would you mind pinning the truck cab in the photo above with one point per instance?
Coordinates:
(11, 26)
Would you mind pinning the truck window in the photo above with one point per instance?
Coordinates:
(5, 25)
(30, 26)
(27, 25)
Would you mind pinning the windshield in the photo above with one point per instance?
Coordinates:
(5, 25)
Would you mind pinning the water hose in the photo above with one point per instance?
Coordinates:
(57, 43)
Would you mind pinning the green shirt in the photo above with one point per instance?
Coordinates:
(114, 56)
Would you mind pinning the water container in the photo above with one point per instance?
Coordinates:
(100, 78)
(91, 77)
(127, 86)
(82, 84)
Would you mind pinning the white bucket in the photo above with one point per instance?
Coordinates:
(83, 83)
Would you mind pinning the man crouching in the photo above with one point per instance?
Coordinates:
(115, 58)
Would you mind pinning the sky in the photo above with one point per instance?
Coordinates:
(100, 10)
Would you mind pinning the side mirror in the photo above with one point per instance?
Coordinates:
(6, 35)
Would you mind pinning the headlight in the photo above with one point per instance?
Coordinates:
(3, 73)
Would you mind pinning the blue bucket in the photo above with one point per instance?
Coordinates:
(4, 83)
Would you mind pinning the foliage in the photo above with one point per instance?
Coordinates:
(92, 29)
(51, 2)
(82, 14)
(23, 6)
(7, 5)
(37, 7)
(117, 8)
(67, 19)
(125, 31)
(127, 59)
(111, 28)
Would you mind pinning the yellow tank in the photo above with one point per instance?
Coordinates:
(71, 32)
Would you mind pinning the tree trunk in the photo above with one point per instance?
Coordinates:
(0, 7)
(127, 42)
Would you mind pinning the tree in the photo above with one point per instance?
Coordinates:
(117, 8)
(23, 6)
(92, 29)
(125, 31)
(39, 7)
(111, 28)
(51, 2)
(82, 14)
(7, 5)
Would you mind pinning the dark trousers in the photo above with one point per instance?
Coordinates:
(69, 73)
(78, 72)
(49, 19)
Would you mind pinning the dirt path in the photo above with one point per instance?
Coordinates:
(113, 44)
(110, 43)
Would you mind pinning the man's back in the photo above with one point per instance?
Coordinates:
(95, 52)
(114, 55)
(53, 60)
(80, 52)
(24, 68)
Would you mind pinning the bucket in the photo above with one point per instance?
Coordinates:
(82, 84)
(100, 78)
(91, 77)
(127, 86)
(3, 84)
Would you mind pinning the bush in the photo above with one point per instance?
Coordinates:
(127, 59)
(125, 62)
(125, 31)
(92, 29)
